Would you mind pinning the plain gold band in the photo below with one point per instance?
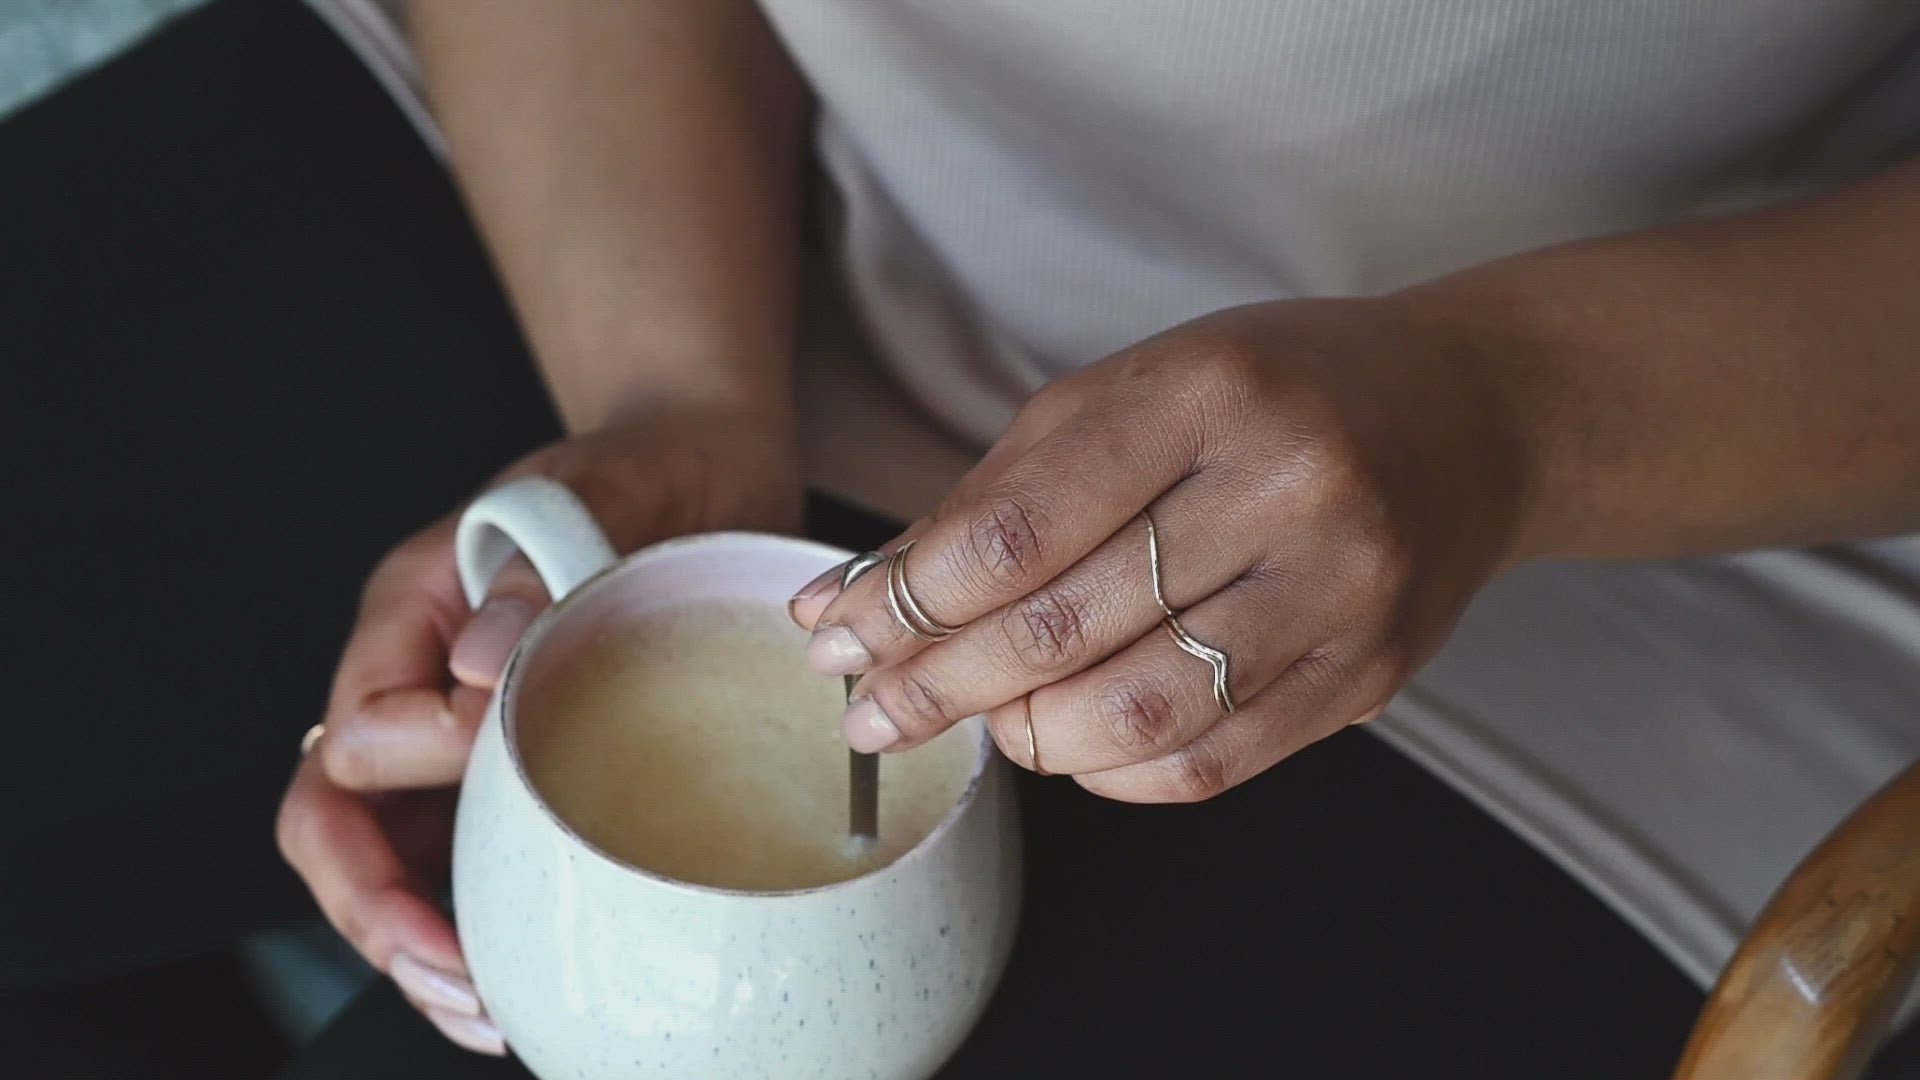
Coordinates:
(1033, 748)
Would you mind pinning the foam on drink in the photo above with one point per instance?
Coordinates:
(694, 742)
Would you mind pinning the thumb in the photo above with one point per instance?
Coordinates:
(480, 650)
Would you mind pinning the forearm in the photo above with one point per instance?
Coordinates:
(635, 171)
(1742, 383)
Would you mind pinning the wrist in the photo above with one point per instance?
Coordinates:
(673, 467)
(1500, 350)
(611, 388)
(770, 418)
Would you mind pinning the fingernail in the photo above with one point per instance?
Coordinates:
(476, 1033)
(866, 726)
(814, 596)
(432, 986)
(833, 650)
(481, 650)
(819, 585)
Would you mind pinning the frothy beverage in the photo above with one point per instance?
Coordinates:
(695, 743)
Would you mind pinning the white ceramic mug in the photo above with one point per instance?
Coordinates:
(592, 967)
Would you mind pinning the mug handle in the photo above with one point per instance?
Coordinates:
(535, 515)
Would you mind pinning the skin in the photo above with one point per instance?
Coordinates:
(1332, 480)
(659, 304)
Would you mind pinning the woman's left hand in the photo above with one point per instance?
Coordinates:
(1331, 481)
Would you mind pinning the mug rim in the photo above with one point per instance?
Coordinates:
(508, 694)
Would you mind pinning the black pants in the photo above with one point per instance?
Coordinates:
(251, 342)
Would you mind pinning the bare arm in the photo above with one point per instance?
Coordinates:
(635, 170)
(1747, 382)
(634, 167)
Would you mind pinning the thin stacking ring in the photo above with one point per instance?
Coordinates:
(1033, 748)
(852, 569)
(1192, 646)
(1222, 691)
(312, 737)
(906, 610)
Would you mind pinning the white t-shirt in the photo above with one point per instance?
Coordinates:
(1032, 186)
(1029, 186)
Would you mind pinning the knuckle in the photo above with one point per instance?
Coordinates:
(519, 580)
(1046, 630)
(1318, 670)
(1322, 459)
(1006, 724)
(1118, 785)
(1043, 409)
(304, 832)
(406, 561)
(352, 924)
(1207, 378)
(952, 502)
(291, 828)
(1298, 471)
(918, 705)
(1312, 443)
(530, 596)
(1004, 541)
(1196, 773)
(1050, 402)
(1231, 361)
(426, 544)
(350, 763)
(1140, 716)
(1379, 562)
(1215, 364)
(1384, 677)
(1325, 457)
(395, 573)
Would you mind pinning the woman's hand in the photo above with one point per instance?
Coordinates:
(1331, 481)
(368, 819)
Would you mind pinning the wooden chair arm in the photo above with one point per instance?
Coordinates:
(1809, 993)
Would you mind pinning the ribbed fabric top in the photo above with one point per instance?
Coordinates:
(1031, 186)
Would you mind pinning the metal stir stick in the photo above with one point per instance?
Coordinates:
(863, 770)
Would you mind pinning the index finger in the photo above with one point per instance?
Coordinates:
(391, 723)
(408, 615)
(1056, 503)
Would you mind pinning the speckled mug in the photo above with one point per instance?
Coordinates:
(596, 968)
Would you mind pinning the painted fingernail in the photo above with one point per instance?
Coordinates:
(476, 1033)
(867, 727)
(481, 650)
(833, 650)
(431, 986)
(814, 596)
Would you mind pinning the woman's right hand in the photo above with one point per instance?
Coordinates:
(367, 821)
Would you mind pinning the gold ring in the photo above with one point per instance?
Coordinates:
(312, 737)
(1192, 646)
(1033, 748)
(906, 610)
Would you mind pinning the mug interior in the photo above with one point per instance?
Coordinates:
(674, 573)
